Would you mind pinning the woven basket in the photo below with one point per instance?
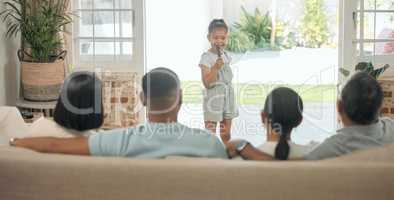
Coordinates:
(42, 81)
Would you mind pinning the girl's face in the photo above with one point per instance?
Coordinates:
(218, 38)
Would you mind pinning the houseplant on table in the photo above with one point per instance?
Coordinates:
(366, 67)
(41, 25)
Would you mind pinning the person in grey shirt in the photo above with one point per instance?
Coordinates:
(160, 137)
(358, 108)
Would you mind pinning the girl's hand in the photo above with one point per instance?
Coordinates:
(231, 150)
(219, 63)
(231, 147)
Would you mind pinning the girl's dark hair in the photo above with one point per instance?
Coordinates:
(217, 23)
(79, 106)
(283, 107)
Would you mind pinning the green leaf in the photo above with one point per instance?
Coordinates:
(344, 72)
(15, 9)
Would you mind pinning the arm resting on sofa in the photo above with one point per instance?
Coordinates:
(248, 152)
(251, 153)
(77, 146)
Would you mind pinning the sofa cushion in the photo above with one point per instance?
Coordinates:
(29, 175)
(11, 123)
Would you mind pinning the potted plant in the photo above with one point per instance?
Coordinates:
(41, 25)
(366, 67)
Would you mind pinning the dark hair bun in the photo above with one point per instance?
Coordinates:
(217, 23)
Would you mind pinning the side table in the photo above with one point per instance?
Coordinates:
(37, 108)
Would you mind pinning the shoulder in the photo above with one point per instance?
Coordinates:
(388, 127)
(298, 150)
(387, 121)
(194, 131)
(268, 147)
(207, 58)
(199, 134)
(206, 54)
(338, 138)
(330, 147)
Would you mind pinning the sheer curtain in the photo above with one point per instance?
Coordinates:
(68, 40)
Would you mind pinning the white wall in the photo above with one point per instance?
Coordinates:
(8, 67)
(232, 8)
(176, 34)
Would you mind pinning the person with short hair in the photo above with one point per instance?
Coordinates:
(358, 107)
(159, 137)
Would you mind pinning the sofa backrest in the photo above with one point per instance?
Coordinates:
(29, 175)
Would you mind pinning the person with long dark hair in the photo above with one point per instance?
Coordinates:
(358, 108)
(78, 111)
(282, 113)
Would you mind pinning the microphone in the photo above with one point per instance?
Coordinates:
(219, 51)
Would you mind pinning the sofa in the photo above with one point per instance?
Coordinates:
(25, 174)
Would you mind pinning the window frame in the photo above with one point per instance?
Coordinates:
(135, 62)
(350, 55)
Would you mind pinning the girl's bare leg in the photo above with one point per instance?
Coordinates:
(225, 130)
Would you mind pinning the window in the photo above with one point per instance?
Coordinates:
(105, 33)
(369, 32)
(375, 29)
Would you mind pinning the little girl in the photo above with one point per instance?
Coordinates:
(219, 99)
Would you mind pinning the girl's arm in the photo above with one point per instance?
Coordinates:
(209, 75)
(251, 153)
(248, 152)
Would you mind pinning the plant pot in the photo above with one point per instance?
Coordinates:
(42, 81)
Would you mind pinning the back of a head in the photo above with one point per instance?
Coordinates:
(283, 107)
(79, 106)
(361, 99)
(161, 88)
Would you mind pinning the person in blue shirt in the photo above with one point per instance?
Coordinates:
(159, 137)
